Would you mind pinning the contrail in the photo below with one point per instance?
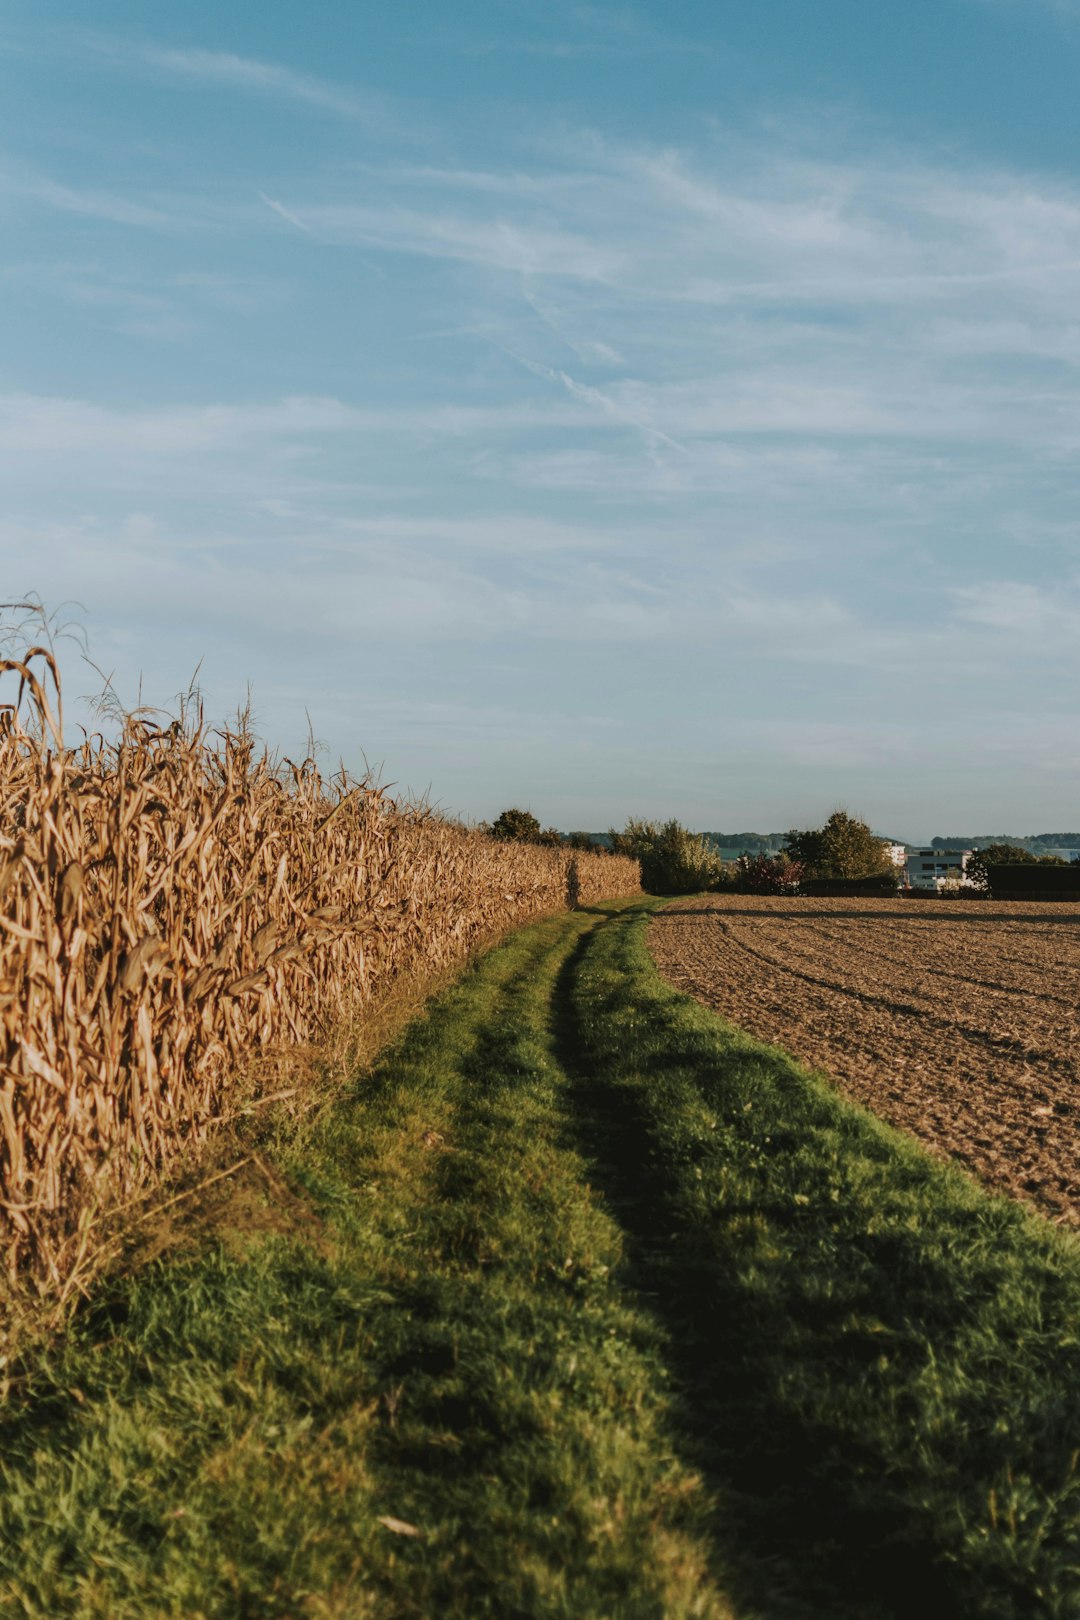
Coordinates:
(279, 208)
(599, 401)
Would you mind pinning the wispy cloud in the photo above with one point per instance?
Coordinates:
(1067, 9)
(50, 426)
(264, 78)
(750, 228)
(1017, 607)
(530, 246)
(173, 306)
(21, 182)
(568, 30)
(227, 70)
(763, 415)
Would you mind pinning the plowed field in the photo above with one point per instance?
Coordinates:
(957, 1022)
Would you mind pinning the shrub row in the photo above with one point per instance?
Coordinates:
(879, 885)
(1033, 881)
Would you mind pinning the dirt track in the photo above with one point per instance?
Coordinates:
(959, 1022)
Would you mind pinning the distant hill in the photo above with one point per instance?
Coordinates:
(731, 844)
(752, 843)
(1029, 841)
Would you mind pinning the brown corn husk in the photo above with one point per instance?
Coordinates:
(173, 904)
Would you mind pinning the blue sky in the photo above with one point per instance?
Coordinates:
(655, 410)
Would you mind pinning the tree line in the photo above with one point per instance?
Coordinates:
(675, 860)
(842, 854)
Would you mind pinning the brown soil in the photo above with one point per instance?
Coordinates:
(959, 1022)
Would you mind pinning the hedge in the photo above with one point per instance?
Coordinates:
(1025, 880)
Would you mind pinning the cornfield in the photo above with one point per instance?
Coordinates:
(175, 902)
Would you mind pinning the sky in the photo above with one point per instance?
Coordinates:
(667, 410)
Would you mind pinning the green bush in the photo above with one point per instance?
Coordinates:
(673, 860)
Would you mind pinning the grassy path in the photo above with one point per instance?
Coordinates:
(591, 1307)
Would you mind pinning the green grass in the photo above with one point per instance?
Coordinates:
(623, 1312)
(885, 1360)
(223, 1434)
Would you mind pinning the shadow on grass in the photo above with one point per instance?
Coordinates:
(796, 1543)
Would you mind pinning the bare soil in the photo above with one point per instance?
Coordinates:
(958, 1022)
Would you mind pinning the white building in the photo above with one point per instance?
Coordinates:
(938, 869)
(897, 853)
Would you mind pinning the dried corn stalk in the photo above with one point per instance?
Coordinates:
(172, 903)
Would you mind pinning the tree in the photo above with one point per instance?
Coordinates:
(619, 843)
(516, 826)
(673, 860)
(844, 848)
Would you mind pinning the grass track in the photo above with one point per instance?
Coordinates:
(625, 1313)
